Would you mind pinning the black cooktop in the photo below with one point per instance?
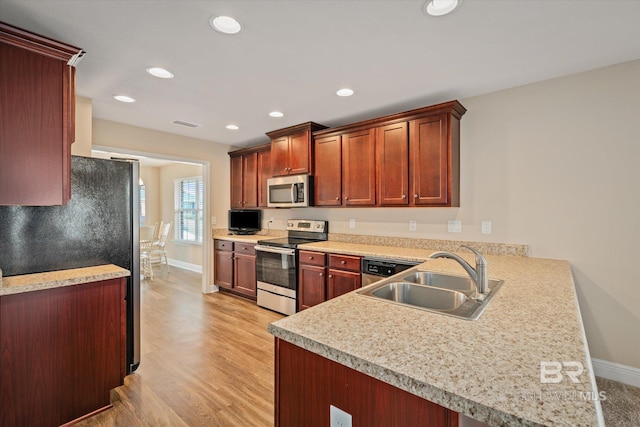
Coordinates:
(285, 242)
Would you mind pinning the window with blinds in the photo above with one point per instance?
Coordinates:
(189, 205)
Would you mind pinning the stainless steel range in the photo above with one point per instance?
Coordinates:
(277, 261)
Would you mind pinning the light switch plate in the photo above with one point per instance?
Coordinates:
(214, 220)
(455, 226)
(485, 227)
(412, 225)
(352, 223)
(338, 417)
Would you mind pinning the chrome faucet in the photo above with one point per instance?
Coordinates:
(478, 275)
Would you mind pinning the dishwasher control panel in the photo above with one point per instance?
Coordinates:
(385, 268)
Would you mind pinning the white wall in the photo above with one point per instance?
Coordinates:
(82, 144)
(150, 175)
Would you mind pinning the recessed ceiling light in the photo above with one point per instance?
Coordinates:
(344, 92)
(276, 114)
(124, 98)
(225, 24)
(440, 7)
(160, 72)
(232, 127)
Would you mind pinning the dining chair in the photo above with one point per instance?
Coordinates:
(158, 254)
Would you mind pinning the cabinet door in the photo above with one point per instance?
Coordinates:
(236, 182)
(328, 167)
(280, 156)
(34, 151)
(223, 269)
(430, 156)
(340, 282)
(250, 180)
(264, 173)
(392, 151)
(245, 274)
(359, 168)
(299, 153)
(311, 286)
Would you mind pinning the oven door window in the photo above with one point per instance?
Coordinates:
(276, 269)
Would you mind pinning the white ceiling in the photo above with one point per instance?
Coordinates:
(293, 55)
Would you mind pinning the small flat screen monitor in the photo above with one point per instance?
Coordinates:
(245, 221)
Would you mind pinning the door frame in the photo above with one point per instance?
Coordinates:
(207, 261)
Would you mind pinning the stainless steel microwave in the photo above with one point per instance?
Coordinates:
(294, 191)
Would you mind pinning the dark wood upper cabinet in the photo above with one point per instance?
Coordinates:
(37, 111)
(405, 159)
(392, 151)
(291, 149)
(359, 168)
(328, 171)
(435, 173)
(264, 173)
(236, 182)
(248, 179)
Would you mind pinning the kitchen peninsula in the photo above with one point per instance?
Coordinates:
(489, 369)
(62, 341)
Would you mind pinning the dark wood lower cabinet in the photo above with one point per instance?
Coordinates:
(235, 267)
(306, 384)
(62, 351)
(245, 274)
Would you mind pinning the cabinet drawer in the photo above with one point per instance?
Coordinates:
(245, 248)
(312, 258)
(222, 245)
(344, 262)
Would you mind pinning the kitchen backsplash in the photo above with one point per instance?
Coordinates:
(487, 248)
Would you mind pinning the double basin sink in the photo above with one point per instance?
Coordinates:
(436, 292)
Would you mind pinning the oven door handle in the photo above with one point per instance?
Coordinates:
(275, 250)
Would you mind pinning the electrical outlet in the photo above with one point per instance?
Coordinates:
(455, 226)
(352, 223)
(412, 225)
(485, 227)
(214, 220)
(338, 417)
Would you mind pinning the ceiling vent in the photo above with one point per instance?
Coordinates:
(187, 124)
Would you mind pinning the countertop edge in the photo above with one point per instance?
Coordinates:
(57, 279)
(446, 399)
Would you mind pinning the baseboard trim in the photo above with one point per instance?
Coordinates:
(186, 265)
(617, 372)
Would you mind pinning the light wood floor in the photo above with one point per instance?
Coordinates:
(207, 360)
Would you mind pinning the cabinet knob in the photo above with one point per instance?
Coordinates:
(338, 198)
(346, 198)
(321, 274)
(415, 196)
(244, 248)
(310, 257)
(404, 196)
(331, 276)
(343, 262)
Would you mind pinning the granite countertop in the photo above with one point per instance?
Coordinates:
(223, 234)
(57, 279)
(487, 369)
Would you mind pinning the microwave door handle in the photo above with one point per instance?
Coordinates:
(294, 193)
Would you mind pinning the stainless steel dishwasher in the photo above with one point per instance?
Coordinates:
(375, 269)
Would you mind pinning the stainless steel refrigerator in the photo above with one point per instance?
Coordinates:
(99, 225)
